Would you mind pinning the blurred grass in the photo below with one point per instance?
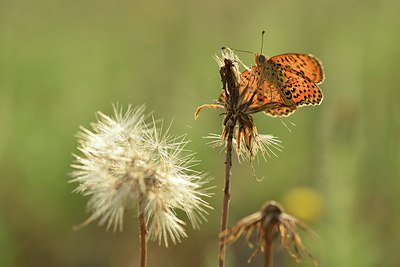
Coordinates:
(61, 61)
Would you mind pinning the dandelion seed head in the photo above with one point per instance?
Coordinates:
(126, 160)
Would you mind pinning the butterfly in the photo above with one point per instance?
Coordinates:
(288, 80)
(275, 86)
(237, 103)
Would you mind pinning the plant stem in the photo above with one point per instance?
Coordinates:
(268, 247)
(143, 235)
(225, 205)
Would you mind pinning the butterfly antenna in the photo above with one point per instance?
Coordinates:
(239, 50)
(262, 41)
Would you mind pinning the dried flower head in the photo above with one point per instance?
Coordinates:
(237, 102)
(269, 222)
(126, 162)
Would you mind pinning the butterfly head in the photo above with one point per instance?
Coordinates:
(260, 59)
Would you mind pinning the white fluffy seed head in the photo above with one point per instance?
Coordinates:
(126, 160)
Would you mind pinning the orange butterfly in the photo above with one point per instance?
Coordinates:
(289, 79)
(277, 86)
(281, 84)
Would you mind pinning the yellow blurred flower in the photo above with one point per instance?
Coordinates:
(305, 203)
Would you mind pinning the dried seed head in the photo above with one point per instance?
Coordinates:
(269, 222)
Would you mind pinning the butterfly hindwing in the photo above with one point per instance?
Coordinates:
(281, 111)
(300, 89)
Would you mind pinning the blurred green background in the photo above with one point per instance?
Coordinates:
(61, 61)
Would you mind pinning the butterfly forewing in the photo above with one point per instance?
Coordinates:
(265, 93)
(304, 64)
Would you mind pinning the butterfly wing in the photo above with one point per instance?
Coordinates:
(280, 111)
(265, 96)
(301, 90)
(296, 76)
(304, 64)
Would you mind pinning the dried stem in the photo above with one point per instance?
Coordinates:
(143, 235)
(268, 248)
(225, 206)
